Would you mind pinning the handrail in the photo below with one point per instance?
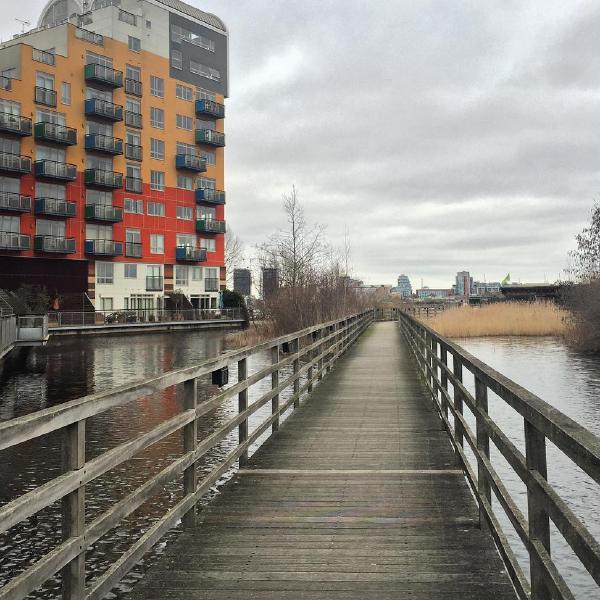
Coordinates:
(541, 422)
(310, 352)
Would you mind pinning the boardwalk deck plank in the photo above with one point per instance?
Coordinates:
(358, 495)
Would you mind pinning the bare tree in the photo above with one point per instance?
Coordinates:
(234, 254)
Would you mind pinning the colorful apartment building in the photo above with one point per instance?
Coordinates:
(111, 153)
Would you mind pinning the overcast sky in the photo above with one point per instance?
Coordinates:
(443, 135)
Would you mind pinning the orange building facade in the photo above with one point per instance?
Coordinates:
(112, 154)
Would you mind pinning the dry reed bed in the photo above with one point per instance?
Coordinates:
(503, 318)
(257, 332)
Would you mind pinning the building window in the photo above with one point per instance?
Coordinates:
(204, 71)
(133, 206)
(181, 275)
(44, 80)
(127, 17)
(65, 92)
(91, 58)
(130, 271)
(148, 24)
(176, 59)
(206, 183)
(157, 149)
(105, 272)
(184, 122)
(48, 116)
(157, 117)
(184, 92)
(155, 209)
(184, 182)
(209, 157)
(208, 244)
(133, 106)
(157, 86)
(98, 232)
(196, 273)
(107, 304)
(157, 180)
(157, 243)
(134, 73)
(185, 212)
(202, 94)
(134, 43)
(179, 34)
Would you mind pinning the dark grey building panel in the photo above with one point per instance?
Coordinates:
(217, 59)
(242, 281)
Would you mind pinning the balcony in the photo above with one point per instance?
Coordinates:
(210, 226)
(104, 179)
(209, 108)
(211, 284)
(189, 254)
(5, 83)
(57, 245)
(94, 107)
(10, 123)
(14, 163)
(190, 162)
(133, 87)
(133, 249)
(51, 169)
(103, 76)
(98, 142)
(154, 284)
(54, 207)
(14, 202)
(104, 212)
(104, 247)
(133, 185)
(58, 134)
(133, 119)
(45, 96)
(210, 137)
(133, 152)
(210, 196)
(14, 241)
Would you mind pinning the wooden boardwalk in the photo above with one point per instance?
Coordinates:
(358, 495)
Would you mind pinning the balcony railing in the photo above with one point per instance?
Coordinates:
(18, 125)
(211, 284)
(210, 196)
(94, 107)
(154, 284)
(89, 36)
(42, 56)
(210, 226)
(210, 137)
(14, 241)
(133, 152)
(133, 87)
(45, 96)
(102, 178)
(14, 202)
(14, 163)
(103, 212)
(133, 119)
(51, 169)
(133, 249)
(103, 143)
(209, 108)
(104, 247)
(5, 83)
(133, 185)
(55, 207)
(103, 75)
(59, 134)
(190, 162)
(188, 253)
(50, 243)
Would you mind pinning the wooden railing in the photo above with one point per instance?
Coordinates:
(542, 422)
(310, 353)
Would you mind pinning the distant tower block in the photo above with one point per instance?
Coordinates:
(242, 281)
(270, 282)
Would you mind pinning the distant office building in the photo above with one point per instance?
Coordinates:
(270, 282)
(464, 284)
(485, 288)
(242, 281)
(404, 286)
(426, 292)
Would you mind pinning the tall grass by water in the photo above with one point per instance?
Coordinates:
(502, 318)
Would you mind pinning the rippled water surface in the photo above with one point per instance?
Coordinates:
(570, 382)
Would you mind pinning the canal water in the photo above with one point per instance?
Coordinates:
(69, 368)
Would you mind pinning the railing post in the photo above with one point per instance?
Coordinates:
(319, 353)
(309, 372)
(483, 445)
(73, 511)
(296, 368)
(190, 442)
(274, 384)
(434, 370)
(242, 406)
(539, 523)
(444, 360)
(458, 401)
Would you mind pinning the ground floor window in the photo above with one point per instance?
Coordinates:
(107, 304)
